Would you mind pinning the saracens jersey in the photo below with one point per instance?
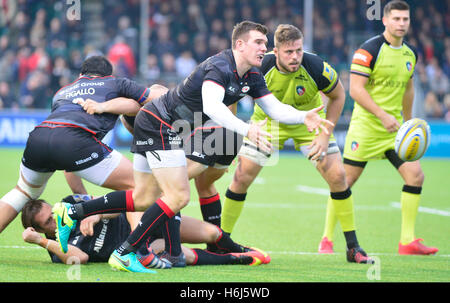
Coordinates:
(108, 235)
(185, 99)
(66, 111)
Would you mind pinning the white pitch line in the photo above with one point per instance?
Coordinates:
(427, 210)
(326, 192)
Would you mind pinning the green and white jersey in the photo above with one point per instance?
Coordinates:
(389, 69)
(301, 88)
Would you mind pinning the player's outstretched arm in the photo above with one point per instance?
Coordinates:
(289, 115)
(212, 96)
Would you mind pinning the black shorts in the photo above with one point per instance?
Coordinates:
(52, 147)
(213, 145)
(152, 133)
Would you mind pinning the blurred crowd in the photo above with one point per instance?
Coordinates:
(41, 49)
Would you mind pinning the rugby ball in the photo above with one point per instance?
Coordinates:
(413, 139)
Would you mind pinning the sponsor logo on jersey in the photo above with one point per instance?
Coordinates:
(355, 145)
(328, 72)
(362, 57)
(245, 89)
(300, 90)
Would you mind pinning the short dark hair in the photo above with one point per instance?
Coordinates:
(244, 28)
(395, 5)
(29, 212)
(96, 66)
(287, 33)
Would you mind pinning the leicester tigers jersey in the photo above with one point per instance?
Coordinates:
(388, 70)
(300, 89)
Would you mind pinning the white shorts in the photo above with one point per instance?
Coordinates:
(159, 159)
(101, 171)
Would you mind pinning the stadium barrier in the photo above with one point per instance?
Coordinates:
(15, 127)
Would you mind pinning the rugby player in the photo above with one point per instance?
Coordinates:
(297, 78)
(70, 138)
(96, 237)
(216, 83)
(381, 83)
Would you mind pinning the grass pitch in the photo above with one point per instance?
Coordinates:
(284, 215)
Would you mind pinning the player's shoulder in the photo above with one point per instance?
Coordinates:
(323, 74)
(367, 53)
(222, 61)
(410, 48)
(268, 63)
(373, 44)
(313, 63)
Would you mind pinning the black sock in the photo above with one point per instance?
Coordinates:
(211, 209)
(171, 232)
(114, 202)
(151, 221)
(209, 258)
(226, 244)
(350, 238)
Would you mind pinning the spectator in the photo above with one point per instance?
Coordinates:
(7, 99)
(185, 64)
(433, 108)
(152, 71)
(121, 55)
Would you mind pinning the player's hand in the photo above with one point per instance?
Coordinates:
(315, 123)
(390, 123)
(29, 235)
(258, 136)
(90, 106)
(318, 148)
(87, 225)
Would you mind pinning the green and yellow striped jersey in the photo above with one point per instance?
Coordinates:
(301, 88)
(389, 69)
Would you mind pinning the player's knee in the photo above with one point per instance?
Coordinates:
(416, 178)
(177, 199)
(337, 180)
(242, 180)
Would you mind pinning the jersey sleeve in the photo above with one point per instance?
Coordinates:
(365, 56)
(323, 74)
(258, 88)
(133, 90)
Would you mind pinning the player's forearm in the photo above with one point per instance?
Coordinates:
(73, 252)
(121, 105)
(335, 105)
(277, 110)
(363, 98)
(408, 99)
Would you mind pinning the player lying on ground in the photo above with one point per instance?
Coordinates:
(96, 237)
